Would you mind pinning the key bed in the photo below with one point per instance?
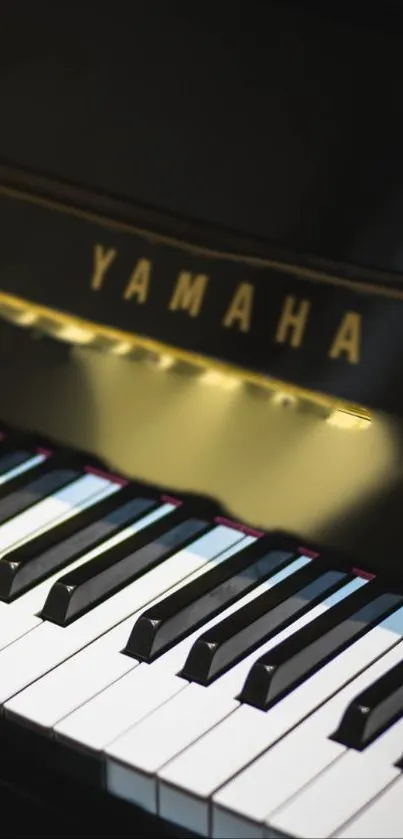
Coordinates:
(167, 657)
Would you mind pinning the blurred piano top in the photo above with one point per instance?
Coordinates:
(278, 120)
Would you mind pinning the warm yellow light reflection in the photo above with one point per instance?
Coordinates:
(23, 318)
(342, 419)
(81, 332)
(122, 348)
(74, 334)
(284, 399)
(164, 362)
(273, 467)
(222, 380)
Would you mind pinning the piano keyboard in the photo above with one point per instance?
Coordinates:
(227, 680)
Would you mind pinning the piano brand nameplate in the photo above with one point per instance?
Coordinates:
(99, 262)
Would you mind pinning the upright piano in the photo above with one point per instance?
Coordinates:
(201, 421)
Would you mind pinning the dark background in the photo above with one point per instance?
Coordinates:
(276, 119)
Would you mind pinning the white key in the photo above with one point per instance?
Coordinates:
(27, 464)
(54, 696)
(78, 679)
(20, 616)
(246, 801)
(54, 509)
(142, 690)
(345, 787)
(382, 819)
(242, 736)
(180, 722)
(48, 645)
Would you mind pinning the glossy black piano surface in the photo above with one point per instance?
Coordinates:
(269, 171)
(281, 121)
(261, 694)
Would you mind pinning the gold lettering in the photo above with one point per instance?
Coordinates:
(240, 309)
(348, 338)
(139, 281)
(102, 260)
(189, 292)
(293, 321)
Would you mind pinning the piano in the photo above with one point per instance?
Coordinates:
(201, 423)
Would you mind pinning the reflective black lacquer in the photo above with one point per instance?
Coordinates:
(372, 711)
(81, 589)
(286, 665)
(238, 634)
(49, 551)
(182, 612)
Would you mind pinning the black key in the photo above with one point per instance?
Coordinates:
(48, 552)
(373, 710)
(27, 489)
(92, 582)
(291, 662)
(11, 459)
(20, 481)
(241, 632)
(182, 612)
(15, 450)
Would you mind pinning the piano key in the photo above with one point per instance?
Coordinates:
(136, 755)
(48, 700)
(51, 510)
(214, 651)
(283, 667)
(358, 778)
(118, 707)
(164, 624)
(20, 616)
(382, 819)
(82, 588)
(23, 446)
(9, 458)
(89, 524)
(174, 658)
(27, 489)
(183, 720)
(135, 696)
(372, 710)
(31, 469)
(245, 733)
(243, 804)
(16, 463)
(49, 644)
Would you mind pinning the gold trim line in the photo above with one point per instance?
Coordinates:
(253, 261)
(56, 320)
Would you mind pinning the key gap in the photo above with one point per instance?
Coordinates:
(374, 798)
